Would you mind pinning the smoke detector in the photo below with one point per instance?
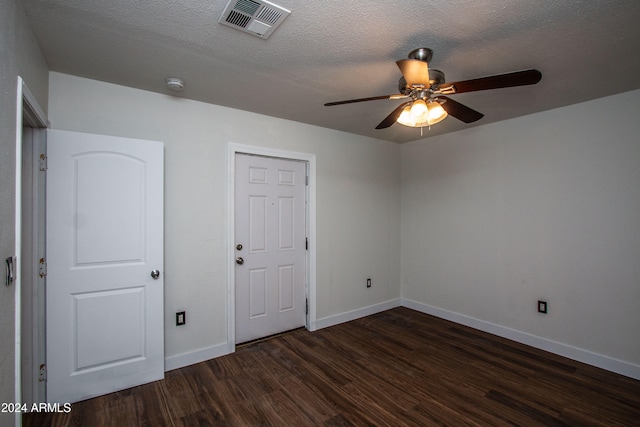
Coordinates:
(175, 84)
(257, 17)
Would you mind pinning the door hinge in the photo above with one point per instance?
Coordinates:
(42, 374)
(10, 270)
(42, 267)
(306, 306)
(306, 180)
(306, 243)
(42, 163)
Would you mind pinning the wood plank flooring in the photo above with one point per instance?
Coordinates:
(396, 368)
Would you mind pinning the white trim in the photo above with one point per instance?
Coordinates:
(195, 356)
(232, 150)
(27, 109)
(608, 363)
(17, 248)
(585, 356)
(348, 316)
(24, 100)
(35, 116)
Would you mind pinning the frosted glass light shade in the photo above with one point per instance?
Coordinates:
(418, 109)
(436, 112)
(432, 114)
(406, 118)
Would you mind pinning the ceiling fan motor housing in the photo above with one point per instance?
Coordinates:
(436, 77)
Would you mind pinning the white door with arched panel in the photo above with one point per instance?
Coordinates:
(104, 233)
(270, 246)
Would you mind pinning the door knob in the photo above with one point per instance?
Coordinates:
(155, 274)
(239, 260)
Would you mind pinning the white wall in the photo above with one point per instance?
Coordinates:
(19, 56)
(493, 218)
(545, 206)
(358, 199)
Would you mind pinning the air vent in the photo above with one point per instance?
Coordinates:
(257, 17)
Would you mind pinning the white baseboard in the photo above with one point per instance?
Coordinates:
(610, 364)
(203, 354)
(355, 314)
(598, 360)
(196, 356)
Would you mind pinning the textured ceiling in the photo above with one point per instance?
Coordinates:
(335, 50)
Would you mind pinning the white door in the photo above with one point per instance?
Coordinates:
(104, 232)
(270, 225)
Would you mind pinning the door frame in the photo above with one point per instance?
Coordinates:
(28, 114)
(310, 159)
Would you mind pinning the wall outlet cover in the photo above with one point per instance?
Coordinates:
(181, 318)
(542, 307)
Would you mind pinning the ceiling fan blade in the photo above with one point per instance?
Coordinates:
(414, 71)
(517, 78)
(460, 111)
(373, 98)
(391, 118)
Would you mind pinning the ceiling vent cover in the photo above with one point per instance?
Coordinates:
(257, 17)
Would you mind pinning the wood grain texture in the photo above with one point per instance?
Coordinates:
(396, 368)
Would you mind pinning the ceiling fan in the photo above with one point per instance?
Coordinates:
(426, 90)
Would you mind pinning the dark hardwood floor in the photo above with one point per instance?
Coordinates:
(396, 368)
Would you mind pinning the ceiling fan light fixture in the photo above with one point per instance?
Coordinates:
(406, 118)
(418, 109)
(434, 113)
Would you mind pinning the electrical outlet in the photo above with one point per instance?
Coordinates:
(181, 318)
(542, 307)
(368, 283)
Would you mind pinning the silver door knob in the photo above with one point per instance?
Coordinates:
(239, 260)
(155, 274)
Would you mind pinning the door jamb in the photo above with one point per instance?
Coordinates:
(232, 150)
(29, 113)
